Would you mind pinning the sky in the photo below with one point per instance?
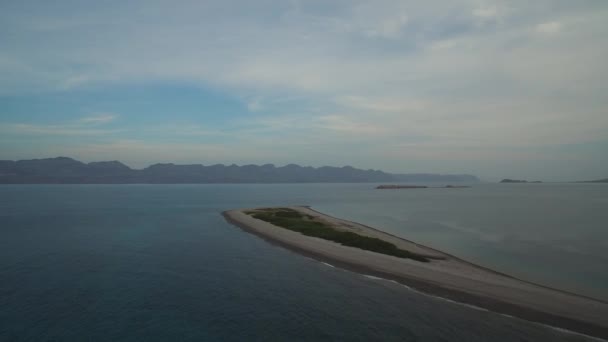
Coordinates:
(499, 89)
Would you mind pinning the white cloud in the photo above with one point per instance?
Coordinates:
(381, 104)
(550, 27)
(61, 130)
(486, 12)
(147, 152)
(99, 118)
(183, 130)
(391, 27)
(255, 104)
(74, 81)
(389, 68)
(86, 126)
(304, 51)
(338, 123)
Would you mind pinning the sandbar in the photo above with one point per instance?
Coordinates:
(445, 275)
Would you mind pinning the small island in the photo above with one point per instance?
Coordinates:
(363, 249)
(399, 186)
(507, 180)
(605, 180)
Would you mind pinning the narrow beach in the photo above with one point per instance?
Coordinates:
(444, 275)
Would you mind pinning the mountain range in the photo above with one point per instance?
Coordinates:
(63, 170)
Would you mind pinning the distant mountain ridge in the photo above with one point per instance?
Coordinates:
(64, 170)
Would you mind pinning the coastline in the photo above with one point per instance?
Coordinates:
(450, 278)
(464, 261)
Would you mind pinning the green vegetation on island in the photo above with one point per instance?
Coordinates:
(310, 226)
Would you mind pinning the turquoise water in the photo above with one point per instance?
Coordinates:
(158, 262)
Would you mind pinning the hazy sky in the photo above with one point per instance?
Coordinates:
(499, 89)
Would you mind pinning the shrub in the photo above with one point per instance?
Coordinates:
(304, 224)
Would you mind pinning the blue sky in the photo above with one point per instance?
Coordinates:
(495, 88)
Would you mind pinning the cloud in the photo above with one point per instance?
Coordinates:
(147, 152)
(381, 104)
(83, 127)
(338, 123)
(60, 130)
(183, 130)
(99, 119)
(390, 27)
(347, 48)
(486, 12)
(432, 75)
(255, 104)
(550, 27)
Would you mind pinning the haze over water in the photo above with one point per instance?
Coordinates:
(158, 262)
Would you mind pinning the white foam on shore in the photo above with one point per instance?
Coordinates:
(368, 276)
(561, 330)
(424, 293)
(372, 277)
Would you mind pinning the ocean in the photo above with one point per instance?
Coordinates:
(159, 262)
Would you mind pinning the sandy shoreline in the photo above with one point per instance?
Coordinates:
(451, 278)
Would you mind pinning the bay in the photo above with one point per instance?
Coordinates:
(158, 262)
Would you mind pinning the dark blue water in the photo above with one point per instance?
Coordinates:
(158, 263)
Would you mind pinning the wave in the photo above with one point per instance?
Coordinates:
(424, 293)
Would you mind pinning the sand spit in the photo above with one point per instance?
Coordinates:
(445, 276)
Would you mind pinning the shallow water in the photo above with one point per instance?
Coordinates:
(158, 262)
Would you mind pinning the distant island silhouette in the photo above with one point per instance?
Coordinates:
(605, 180)
(507, 180)
(64, 170)
(408, 186)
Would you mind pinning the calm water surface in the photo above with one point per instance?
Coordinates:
(158, 262)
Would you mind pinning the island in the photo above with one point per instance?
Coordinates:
(401, 186)
(605, 180)
(507, 180)
(363, 249)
